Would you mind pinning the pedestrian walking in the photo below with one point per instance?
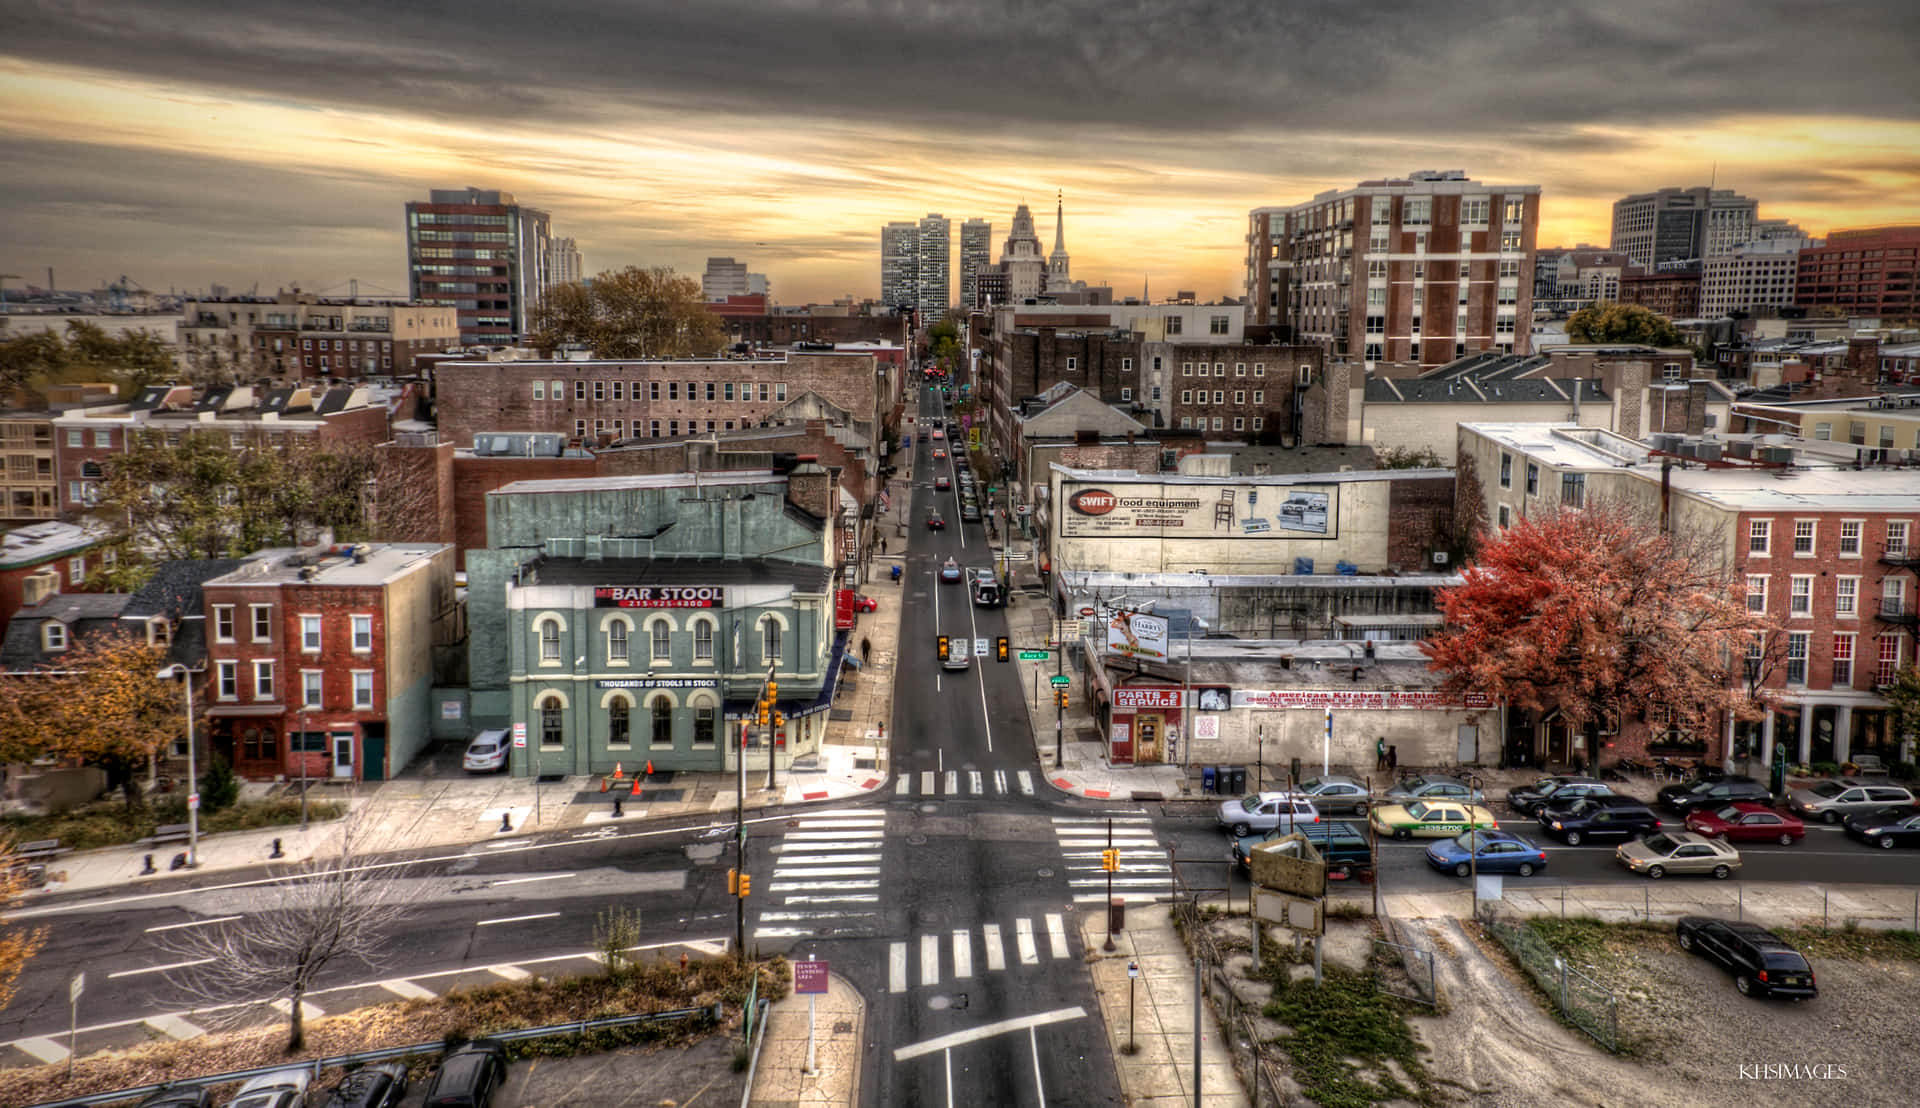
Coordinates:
(866, 650)
(1380, 753)
(883, 544)
(1393, 758)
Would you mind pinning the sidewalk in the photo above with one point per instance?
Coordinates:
(1772, 904)
(1159, 1018)
(839, 1025)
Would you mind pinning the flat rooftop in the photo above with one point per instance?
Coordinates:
(340, 564)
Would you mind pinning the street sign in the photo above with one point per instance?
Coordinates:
(193, 802)
(1133, 969)
(78, 986)
(1060, 681)
(979, 648)
(1035, 655)
(519, 736)
(809, 977)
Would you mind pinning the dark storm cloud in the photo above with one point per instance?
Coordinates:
(1385, 66)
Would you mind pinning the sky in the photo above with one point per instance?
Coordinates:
(189, 142)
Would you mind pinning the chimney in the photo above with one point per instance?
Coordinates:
(810, 488)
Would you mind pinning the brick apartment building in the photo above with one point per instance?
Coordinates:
(482, 252)
(297, 334)
(1869, 271)
(321, 661)
(43, 559)
(1671, 292)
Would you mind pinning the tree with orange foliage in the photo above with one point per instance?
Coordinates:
(1601, 614)
(16, 946)
(102, 704)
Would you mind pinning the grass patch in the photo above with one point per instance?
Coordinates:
(1348, 909)
(112, 823)
(1584, 939)
(1854, 943)
(1351, 1045)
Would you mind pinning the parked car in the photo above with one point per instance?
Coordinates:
(970, 512)
(1713, 793)
(1763, 963)
(1265, 812)
(1835, 800)
(865, 603)
(950, 571)
(1888, 827)
(1433, 787)
(179, 1098)
(279, 1089)
(1559, 791)
(1598, 817)
(1431, 819)
(942, 483)
(487, 753)
(381, 1086)
(1343, 846)
(1336, 794)
(1747, 822)
(1490, 851)
(1665, 852)
(935, 523)
(468, 1076)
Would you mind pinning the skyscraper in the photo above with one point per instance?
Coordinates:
(976, 254)
(899, 263)
(1675, 224)
(481, 253)
(1021, 260)
(564, 264)
(935, 282)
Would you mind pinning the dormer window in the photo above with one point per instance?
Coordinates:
(53, 636)
(159, 632)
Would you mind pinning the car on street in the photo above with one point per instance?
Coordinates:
(1342, 846)
(1560, 789)
(1490, 851)
(865, 603)
(1431, 819)
(1598, 817)
(1665, 852)
(1888, 827)
(957, 657)
(935, 523)
(1747, 822)
(938, 454)
(942, 484)
(938, 434)
(279, 1089)
(381, 1086)
(179, 1098)
(950, 571)
(1762, 963)
(487, 753)
(969, 512)
(1433, 787)
(468, 1076)
(1265, 812)
(1335, 793)
(1714, 792)
(985, 588)
(1835, 800)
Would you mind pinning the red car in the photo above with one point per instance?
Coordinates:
(863, 603)
(935, 523)
(1747, 822)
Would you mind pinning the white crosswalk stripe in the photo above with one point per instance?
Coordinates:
(1145, 874)
(973, 782)
(1026, 782)
(1023, 941)
(996, 954)
(950, 955)
(962, 953)
(826, 878)
(1000, 781)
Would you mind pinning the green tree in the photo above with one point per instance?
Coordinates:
(131, 360)
(219, 788)
(1610, 322)
(630, 313)
(1903, 700)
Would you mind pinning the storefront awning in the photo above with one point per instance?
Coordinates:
(796, 708)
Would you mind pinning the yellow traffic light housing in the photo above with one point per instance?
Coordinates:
(746, 885)
(1000, 651)
(773, 691)
(761, 716)
(1060, 697)
(733, 882)
(943, 648)
(1110, 860)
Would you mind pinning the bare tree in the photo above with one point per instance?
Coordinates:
(327, 910)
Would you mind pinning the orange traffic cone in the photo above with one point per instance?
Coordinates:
(603, 784)
(649, 767)
(636, 787)
(618, 773)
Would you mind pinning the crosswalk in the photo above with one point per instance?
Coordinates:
(921, 962)
(965, 782)
(1145, 874)
(826, 877)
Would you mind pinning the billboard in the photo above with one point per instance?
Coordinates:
(1136, 635)
(1212, 698)
(659, 596)
(1210, 511)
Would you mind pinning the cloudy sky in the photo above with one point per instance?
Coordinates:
(184, 142)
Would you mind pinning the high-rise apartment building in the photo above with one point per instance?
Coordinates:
(724, 277)
(976, 254)
(564, 264)
(1675, 224)
(916, 261)
(1869, 271)
(1425, 268)
(899, 263)
(478, 251)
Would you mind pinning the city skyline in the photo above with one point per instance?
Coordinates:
(198, 144)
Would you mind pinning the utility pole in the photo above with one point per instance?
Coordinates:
(774, 721)
(740, 841)
(303, 760)
(1059, 726)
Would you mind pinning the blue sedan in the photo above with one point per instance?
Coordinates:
(1497, 851)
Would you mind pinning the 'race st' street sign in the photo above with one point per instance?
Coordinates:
(1035, 655)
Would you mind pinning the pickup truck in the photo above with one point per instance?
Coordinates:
(1343, 845)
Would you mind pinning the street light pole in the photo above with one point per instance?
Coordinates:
(181, 674)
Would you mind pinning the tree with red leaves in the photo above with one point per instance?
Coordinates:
(1601, 614)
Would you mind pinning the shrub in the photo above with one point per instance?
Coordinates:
(1903, 771)
(219, 788)
(1826, 769)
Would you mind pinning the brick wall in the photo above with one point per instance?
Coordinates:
(1419, 521)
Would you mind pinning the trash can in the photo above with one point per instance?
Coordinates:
(1239, 779)
(1206, 779)
(1116, 915)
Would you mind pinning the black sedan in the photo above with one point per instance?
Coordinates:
(1888, 827)
(1711, 794)
(1558, 792)
(1762, 963)
(381, 1086)
(935, 523)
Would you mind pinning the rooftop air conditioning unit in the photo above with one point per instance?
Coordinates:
(1740, 448)
(1708, 451)
(37, 587)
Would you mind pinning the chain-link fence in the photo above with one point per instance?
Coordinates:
(1587, 1004)
(1405, 972)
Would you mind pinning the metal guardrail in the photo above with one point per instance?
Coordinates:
(366, 1057)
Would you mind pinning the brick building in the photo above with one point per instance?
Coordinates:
(1673, 292)
(43, 559)
(321, 661)
(1870, 271)
(29, 487)
(480, 251)
(298, 334)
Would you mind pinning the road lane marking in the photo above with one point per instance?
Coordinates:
(406, 990)
(159, 969)
(192, 923)
(929, 959)
(897, 968)
(1023, 940)
(987, 1031)
(1039, 1086)
(962, 953)
(525, 880)
(1057, 932)
(996, 953)
(174, 1027)
(515, 919)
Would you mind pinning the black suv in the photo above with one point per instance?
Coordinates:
(1610, 816)
(1713, 793)
(1559, 792)
(1763, 964)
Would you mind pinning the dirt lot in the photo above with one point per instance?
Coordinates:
(1689, 1032)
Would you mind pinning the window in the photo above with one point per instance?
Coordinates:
(1239, 369)
(1514, 211)
(53, 635)
(1843, 659)
(769, 640)
(1154, 392)
(1800, 595)
(620, 722)
(223, 623)
(705, 728)
(661, 733)
(1506, 471)
(1126, 394)
(1218, 421)
(617, 641)
(619, 390)
(1186, 369)
(549, 640)
(1573, 489)
(579, 390)
(1126, 365)
(557, 392)
(1217, 325)
(1416, 211)
(1239, 423)
(599, 390)
(76, 570)
(1756, 592)
(662, 640)
(363, 688)
(1803, 538)
(1889, 660)
(673, 390)
(552, 716)
(1259, 369)
(263, 681)
(703, 640)
(1506, 516)
(1073, 363)
(1239, 396)
(1473, 211)
(1533, 479)
(1173, 325)
(1893, 596)
(763, 392)
(1897, 539)
(310, 634)
(1220, 396)
(1846, 597)
(1850, 538)
(726, 391)
(1186, 396)
(780, 391)
(1259, 396)
(653, 390)
(1797, 657)
(362, 634)
(262, 622)
(228, 675)
(1759, 536)
(1258, 422)
(710, 390)
(1376, 269)
(1219, 369)
(76, 438)
(312, 688)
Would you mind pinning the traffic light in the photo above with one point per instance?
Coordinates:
(779, 719)
(1110, 860)
(746, 885)
(763, 715)
(1060, 697)
(1000, 651)
(733, 882)
(773, 691)
(943, 648)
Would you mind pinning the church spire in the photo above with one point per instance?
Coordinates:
(1057, 262)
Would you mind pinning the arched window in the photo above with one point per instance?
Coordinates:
(549, 640)
(662, 722)
(619, 727)
(769, 640)
(662, 640)
(703, 640)
(617, 641)
(551, 713)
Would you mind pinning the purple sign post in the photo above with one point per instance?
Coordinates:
(810, 980)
